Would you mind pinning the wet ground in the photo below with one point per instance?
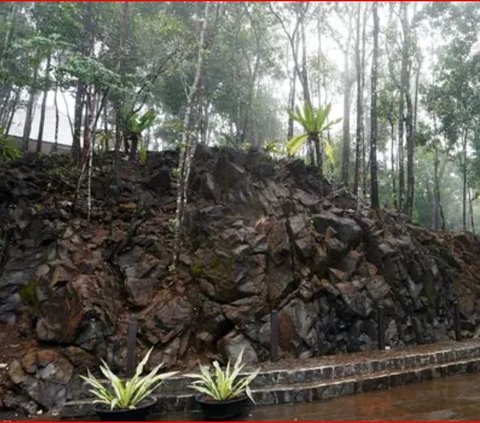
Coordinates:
(454, 398)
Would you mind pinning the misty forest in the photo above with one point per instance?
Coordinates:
(263, 182)
(394, 85)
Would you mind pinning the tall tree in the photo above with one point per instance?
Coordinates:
(46, 89)
(27, 128)
(360, 84)
(407, 52)
(374, 198)
(347, 88)
(189, 141)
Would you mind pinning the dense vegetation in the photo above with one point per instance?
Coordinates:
(402, 77)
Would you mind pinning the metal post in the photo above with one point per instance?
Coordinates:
(381, 328)
(456, 321)
(131, 345)
(274, 335)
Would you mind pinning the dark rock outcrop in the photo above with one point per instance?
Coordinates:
(261, 235)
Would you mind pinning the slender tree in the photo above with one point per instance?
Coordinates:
(374, 199)
(189, 141)
(46, 88)
(360, 80)
(30, 105)
(347, 89)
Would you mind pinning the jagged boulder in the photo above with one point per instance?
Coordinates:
(43, 374)
(347, 230)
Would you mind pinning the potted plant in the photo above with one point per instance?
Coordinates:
(223, 393)
(125, 400)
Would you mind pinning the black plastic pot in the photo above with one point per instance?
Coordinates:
(139, 413)
(223, 410)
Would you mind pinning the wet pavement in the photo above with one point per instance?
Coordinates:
(449, 399)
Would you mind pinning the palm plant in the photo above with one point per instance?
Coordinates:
(136, 124)
(314, 123)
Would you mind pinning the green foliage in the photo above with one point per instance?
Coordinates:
(273, 146)
(314, 122)
(224, 384)
(91, 70)
(103, 139)
(172, 225)
(8, 151)
(28, 293)
(196, 271)
(176, 172)
(128, 394)
(137, 122)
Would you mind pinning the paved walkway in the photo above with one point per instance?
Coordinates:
(455, 398)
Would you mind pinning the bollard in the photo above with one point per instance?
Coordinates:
(381, 328)
(456, 321)
(131, 346)
(274, 335)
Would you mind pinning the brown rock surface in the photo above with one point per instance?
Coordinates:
(261, 235)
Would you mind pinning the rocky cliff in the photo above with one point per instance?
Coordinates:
(262, 235)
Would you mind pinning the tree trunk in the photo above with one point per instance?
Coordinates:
(411, 136)
(292, 95)
(359, 81)
(249, 117)
(319, 61)
(347, 87)
(13, 109)
(401, 171)
(44, 106)
(410, 156)
(117, 103)
(57, 118)
(363, 170)
(404, 123)
(319, 155)
(6, 106)
(29, 113)
(88, 142)
(304, 73)
(133, 146)
(118, 144)
(77, 121)
(464, 172)
(189, 143)
(472, 219)
(392, 162)
(373, 114)
(105, 128)
(87, 131)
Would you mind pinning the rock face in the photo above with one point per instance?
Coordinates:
(261, 235)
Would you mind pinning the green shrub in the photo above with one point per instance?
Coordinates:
(223, 385)
(8, 151)
(119, 394)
